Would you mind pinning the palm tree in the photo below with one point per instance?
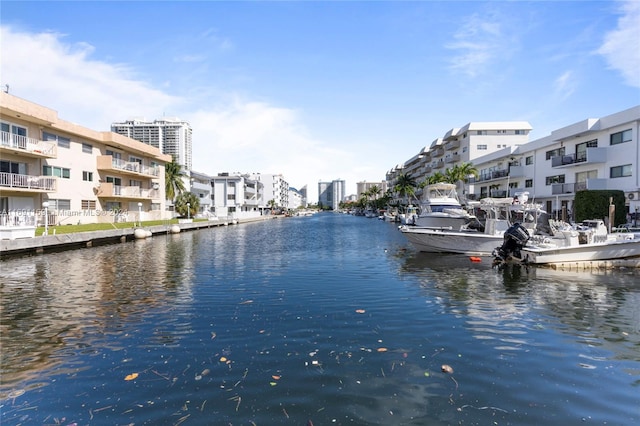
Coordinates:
(436, 178)
(374, 191)
(187, 201)
(173, 184)
(463, 172)
(406, 186)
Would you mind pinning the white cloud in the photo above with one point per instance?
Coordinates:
(229, 136)
(564, 86)
(478, 43)
(248, 136)
(42, 68)
(621, 47)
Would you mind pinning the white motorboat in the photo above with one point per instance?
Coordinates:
(440, 208)
(408, 215)
(500, 213)
(588, 242)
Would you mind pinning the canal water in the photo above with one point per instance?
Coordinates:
(330, 319)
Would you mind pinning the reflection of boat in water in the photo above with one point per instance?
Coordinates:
(498, 215)
(588, 242)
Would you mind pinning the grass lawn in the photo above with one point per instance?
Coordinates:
(69, 229)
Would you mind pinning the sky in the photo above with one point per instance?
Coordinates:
(322, 90)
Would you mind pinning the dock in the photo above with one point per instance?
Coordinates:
(75, 240)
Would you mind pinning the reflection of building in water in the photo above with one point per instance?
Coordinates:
(504, 307)
(51, 301)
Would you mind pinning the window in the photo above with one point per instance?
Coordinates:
(59, 204)
(521, 132)
(114, 154)
(133, 182)
(87, 176)
(620, 171)
(56, 171)
(555, 153)
(114, 180)
(133, 159)
(482, 147)
(528, 183)
(13, 167)
(502, 132)
(550, 180)
(529, 160)
(481, 132)
(62, 141)
(581, 149)
(18, 135)
(621, 137)
(88, 205)
(87, 148)
(155, 206)
(112, 205)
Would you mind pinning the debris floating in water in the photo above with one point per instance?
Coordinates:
(447, 369)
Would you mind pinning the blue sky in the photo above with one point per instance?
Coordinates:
(322, 90)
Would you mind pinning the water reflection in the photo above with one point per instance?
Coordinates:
(66, 301)
(332, 319)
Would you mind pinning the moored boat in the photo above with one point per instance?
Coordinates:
(440, 208)
(499, 214)
(588, 242)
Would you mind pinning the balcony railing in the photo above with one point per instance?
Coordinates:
(591, 155)
(28, 182)
(563, 188)
(452, 145)
(108, 189)
(452, 158)
(24, 144)
(495, 174)
(107, 162)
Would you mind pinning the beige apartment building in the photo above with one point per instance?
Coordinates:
(79, 175)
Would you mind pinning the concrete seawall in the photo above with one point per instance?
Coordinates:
(51, 243)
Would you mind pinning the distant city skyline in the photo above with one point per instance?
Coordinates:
(305, 90)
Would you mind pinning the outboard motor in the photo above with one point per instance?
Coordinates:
(514, 239)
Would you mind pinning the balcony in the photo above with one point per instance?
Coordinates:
(590, 156)
(108, 189)
(438, 165)
(592, 184)
(108, 163)
(452, 158)
(438, 152)
(13, 182)
(516, 171)
(451, 145)
(29, 147)
(562, 188)
(495, 174)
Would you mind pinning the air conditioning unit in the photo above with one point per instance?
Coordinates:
(633, 196)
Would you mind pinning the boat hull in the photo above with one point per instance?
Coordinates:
(461, 242)
(582, 253)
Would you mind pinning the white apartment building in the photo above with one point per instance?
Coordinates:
(595, 153)
(295, 199)
(461, 145)
(200, 185)
(330, 194)
(364, 186)
(83, 175)
(171, 135)
(592, 154)
(236, 195)
(276, 188)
